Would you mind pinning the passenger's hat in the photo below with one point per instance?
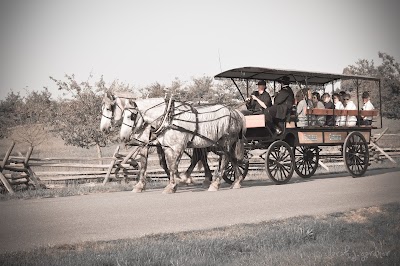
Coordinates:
(365, 95)
(262, 82)
(285, 80)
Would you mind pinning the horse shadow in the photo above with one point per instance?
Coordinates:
(199, 187)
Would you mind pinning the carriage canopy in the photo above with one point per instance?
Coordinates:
(302, 77)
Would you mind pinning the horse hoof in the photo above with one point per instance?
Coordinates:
(169, 189)
(213, 188)
(236, 186)
(137, 190)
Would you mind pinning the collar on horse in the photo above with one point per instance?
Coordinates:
(168, 116)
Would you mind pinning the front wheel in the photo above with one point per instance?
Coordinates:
(229, 175)
(279, 162)
(356, 154)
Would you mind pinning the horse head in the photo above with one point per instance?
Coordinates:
(132, 121)
(107, 110)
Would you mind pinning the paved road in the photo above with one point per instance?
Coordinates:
(25, 224)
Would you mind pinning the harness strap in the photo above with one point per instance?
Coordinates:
(194, 110)
(167, 114)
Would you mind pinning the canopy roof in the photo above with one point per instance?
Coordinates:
(270, 74)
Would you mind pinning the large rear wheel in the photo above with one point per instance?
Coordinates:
(306, 160)
(356, 154)
(279, 162)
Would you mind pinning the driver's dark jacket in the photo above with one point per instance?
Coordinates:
(284, 102)
(255, 106)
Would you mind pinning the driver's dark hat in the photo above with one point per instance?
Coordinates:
(285, 80)
(262, 82)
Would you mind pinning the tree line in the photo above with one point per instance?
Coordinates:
(75, 117)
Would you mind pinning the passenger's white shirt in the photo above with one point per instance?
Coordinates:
(368, 106)
(340, 120)
(351, 120)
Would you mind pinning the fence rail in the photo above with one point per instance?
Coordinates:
(66, 170)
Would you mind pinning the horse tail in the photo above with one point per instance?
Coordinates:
(239, 149)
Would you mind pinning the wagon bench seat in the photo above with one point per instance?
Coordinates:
(319, 111)
(253, 121)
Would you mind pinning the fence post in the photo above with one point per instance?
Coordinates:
(112, 163)
(3, 163)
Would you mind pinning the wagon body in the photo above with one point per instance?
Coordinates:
(297, 148)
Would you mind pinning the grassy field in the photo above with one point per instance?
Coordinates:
(54, 147)
(368, 236)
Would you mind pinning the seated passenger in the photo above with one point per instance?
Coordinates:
(366, 120)
(351, 120)
(301, 108)
(340, 119)
(318, 120)
(326, 98)
(259, 100)
(283, 103)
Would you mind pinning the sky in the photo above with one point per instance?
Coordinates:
(143, 42)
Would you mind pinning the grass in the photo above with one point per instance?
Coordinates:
(368, 236)
(76, 189)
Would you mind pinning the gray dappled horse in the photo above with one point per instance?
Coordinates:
(113, 107)
(178, 125)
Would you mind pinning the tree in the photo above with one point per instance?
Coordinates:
(77, 119)
(390, 74)
(24, 119)
(9, 112)
(388, 71)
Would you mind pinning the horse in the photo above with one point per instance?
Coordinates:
(180, 125)
(113, 108)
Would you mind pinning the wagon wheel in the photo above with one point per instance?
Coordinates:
(356, 154)
(306, 160)
(279, 162)
(229, 174)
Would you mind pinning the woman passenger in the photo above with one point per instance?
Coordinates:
(340, 120)
(351, 120)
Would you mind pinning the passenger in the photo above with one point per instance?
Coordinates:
(326, 98)
(340, 120)
(367, 120)
(351, 120)
(341, 96)
(301, 108)
(259, 99)
(318, 120)
(283, 103)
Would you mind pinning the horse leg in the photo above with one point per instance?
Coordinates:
(141, 184)
(239, 177)
(207, 171)
(172, 157)
(214, 186)
(186, 178)
(237, 156)
(161, 157)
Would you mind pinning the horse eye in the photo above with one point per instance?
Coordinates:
(132, 116)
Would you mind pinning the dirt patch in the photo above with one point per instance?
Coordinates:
(361, 215)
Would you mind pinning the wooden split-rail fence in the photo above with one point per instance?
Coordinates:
(26, 171)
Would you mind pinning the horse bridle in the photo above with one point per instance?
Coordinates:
(134, 114)
(112, 110)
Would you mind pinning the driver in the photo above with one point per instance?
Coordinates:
(259, 100)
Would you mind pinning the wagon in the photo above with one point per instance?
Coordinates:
(297, 149)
